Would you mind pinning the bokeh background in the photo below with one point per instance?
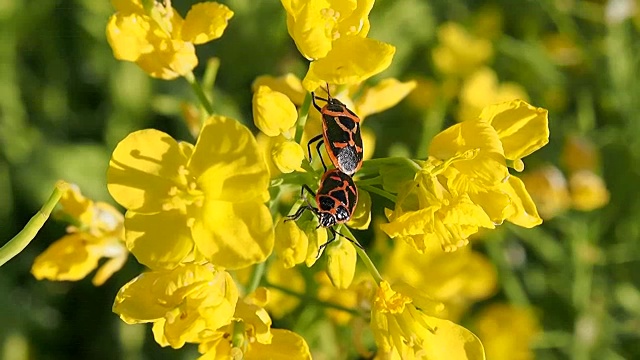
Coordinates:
(65, 102)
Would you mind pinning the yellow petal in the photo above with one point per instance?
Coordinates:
(451, 341)
(227, 162)
(127, 35)
(234, 235)
(508, 332)
(525, 213)
(159, 241)
(285, 345)
(386, 94)
(288, 84)
(67, 259)
(521, 127)
(351, 60)
(144, 167)
(273, 112)
(170, 59)
(287, 156)
(290, 243)
(109, 268)
(487, 167)
(76, 205)
(205, 22)
(308, 25)
(255, 318)
(361, 216)
(341, 263)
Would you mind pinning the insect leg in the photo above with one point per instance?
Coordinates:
(314, 139)
(321, 247)
(320, 155)
(313, 99)
(350, 239)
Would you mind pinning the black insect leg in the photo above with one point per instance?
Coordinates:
(321, 141)
(350, 239)
(303, 208)
(321, 247)
(313, 100)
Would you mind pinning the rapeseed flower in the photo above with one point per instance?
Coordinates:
(159, 40)
(181, 303)
(333, 35)
(97, 232)
(405, 326)
(257, 339)
(194, 203)
(465, 184)
(549, 190)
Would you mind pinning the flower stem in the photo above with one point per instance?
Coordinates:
(365, 258)
(24, 237)
(197, 89)
(256, 277)
(302, 117)
(237, 338)
(375, 190)
(309, 299)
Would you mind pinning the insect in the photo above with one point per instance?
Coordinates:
(340, 134)
(336, 198)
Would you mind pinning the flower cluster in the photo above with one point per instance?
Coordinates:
(465, 183)
(206, 218)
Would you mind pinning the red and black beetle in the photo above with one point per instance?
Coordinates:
(340, 134)
(337, 197)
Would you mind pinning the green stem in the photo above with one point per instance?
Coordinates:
(302, 117)
(210, 75)
(510, 283)
(237, 338)
(256, 277)
(197, 89)
(309, 299)
(365, 259)
(375, 190)
(24, 237)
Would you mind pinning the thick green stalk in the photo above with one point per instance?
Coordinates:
(24, 237)
(197, 89)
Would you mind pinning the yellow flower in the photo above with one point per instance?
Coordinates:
(159, 40)
(351, 60)
(361, 217)
(315, 25)
(457, 279)
(291, 243)
(187, 202)
(97, 232)
(481, 89)
(288, 84)
(459, 52)
(465, 183)
(406, 328)
(181, 303)
(333, 34)
(341, 262)
(549, 190)
(344, 297)
(384, 95)
(258, 341)
(287, 156)
(273, 112)
(507, 332)
(588, 191)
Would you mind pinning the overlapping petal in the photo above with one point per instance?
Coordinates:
(205, 22)
(352, 59)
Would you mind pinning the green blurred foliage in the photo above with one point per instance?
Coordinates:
(65, 102)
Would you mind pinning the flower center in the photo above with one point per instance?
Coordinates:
(331, 17)
(184, 194)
